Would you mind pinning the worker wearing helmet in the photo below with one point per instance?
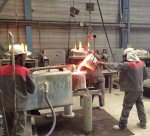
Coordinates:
(132, 73)
(95, 78)
(24, 85)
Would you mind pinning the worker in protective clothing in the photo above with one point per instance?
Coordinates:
(132, 73)
(96, 79)
(24, 84)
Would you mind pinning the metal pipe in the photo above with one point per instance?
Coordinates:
(122, 4)
(120, 11)
(52, 109)
(11, 37)
(59, 23)
(60, 67)
(122, 38)
(128, 32)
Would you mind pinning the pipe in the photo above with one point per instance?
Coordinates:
(60, 67)
(122, 21)
(59, 23)
(52, 109)
(120, 11)
(11, 38)
(122, 38)
(129, 27)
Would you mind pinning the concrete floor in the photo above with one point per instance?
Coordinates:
(113, 105)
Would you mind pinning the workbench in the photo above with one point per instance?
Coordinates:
(109, 74)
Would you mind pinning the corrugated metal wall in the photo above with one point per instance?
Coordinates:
(48, 36)
(5, 29)
(12, 9)
(59, 10)
(9, 9)
(140, 16)
(140, 11)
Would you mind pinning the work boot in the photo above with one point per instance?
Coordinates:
(141, 125)
(116, 127)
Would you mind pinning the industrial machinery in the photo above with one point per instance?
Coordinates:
(59, 92)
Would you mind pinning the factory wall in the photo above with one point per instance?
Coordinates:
(140, 24)
(8, 10)
(66, 36)
(48, 36)
(58, 10)
(54, 28)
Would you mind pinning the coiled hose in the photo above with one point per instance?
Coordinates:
(52, 109)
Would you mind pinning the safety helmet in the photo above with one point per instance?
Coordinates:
(18, 49)
(128, 50)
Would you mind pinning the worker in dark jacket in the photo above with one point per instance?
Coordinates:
(23, 84)
(132, 73)
(96, 79)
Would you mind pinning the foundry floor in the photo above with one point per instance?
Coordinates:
(113, 105)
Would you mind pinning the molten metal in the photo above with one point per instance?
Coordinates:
(89, 62)
(78, 80)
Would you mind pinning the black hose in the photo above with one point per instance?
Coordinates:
(105, 29)
(52, 109)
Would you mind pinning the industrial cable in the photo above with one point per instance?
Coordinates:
(75, 23)
(105, 29)
(52, 109)
(68, 37)
(90, 26)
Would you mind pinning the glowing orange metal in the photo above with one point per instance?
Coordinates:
(78, 72)
(85, 63)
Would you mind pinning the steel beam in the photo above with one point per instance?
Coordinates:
(27, 6)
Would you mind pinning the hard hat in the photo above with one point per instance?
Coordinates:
(17, 49)
(128, 50)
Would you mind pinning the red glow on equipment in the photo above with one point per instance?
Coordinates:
(89, 62)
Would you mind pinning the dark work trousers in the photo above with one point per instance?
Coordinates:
(101, 95)
(21, 123)
(131, 98)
